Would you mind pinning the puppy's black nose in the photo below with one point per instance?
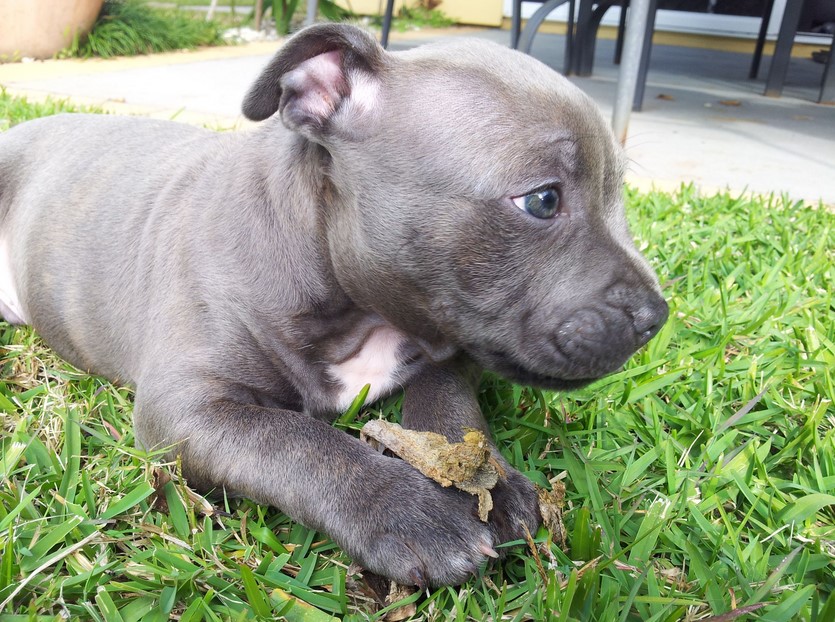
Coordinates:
(649, 319)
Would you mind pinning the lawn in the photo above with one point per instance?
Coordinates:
(700, 480)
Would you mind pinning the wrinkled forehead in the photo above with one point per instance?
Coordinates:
(507, 118)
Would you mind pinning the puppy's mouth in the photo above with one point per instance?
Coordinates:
(508, 367)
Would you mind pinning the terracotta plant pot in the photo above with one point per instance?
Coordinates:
(41, 28)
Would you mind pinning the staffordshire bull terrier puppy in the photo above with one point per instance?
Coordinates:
(399, 219)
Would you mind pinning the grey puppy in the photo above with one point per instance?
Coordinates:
(405, 220)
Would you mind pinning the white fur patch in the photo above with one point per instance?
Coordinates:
(365, 94)
(376, 364)
(361, 110)
(10, 305)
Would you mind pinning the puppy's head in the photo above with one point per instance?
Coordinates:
(477, 201)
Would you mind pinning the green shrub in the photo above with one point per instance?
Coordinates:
(423, 14)
(131, 27)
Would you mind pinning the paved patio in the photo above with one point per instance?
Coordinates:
(703, 120)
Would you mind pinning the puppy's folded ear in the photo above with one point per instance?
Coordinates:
(324, 78)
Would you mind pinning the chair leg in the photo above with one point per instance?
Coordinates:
(827, 94)
(758, 49)
(588, 23)
(783, 50)
(533, 24)
(515, 24)
(384, 37)
(624, 6)
(643, 68)
(569, 39)
(582, 35)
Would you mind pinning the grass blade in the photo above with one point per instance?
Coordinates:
(129, 500)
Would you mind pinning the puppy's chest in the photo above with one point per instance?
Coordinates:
(382, 357)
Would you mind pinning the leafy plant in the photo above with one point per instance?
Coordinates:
(283, 11)
(423, 14)
(131, 27)
(333, 12)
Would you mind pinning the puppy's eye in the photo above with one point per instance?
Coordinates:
(542, 204)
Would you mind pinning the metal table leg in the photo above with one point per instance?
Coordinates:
(312, 9)
(636, 32)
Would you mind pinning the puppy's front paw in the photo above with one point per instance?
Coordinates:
(415, 532)
(515, 507)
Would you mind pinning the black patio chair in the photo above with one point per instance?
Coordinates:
(782, 51)
(522, 41)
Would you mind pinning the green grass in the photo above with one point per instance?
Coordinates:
(131, 27)
(14, 110)
(700, 479)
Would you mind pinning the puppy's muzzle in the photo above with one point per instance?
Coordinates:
(598, 340)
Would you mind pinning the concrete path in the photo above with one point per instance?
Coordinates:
(703, 120)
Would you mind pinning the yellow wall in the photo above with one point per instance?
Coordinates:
(478, 12)
(368, 7)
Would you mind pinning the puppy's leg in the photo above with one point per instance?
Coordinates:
(381, 511)
(442, 399)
